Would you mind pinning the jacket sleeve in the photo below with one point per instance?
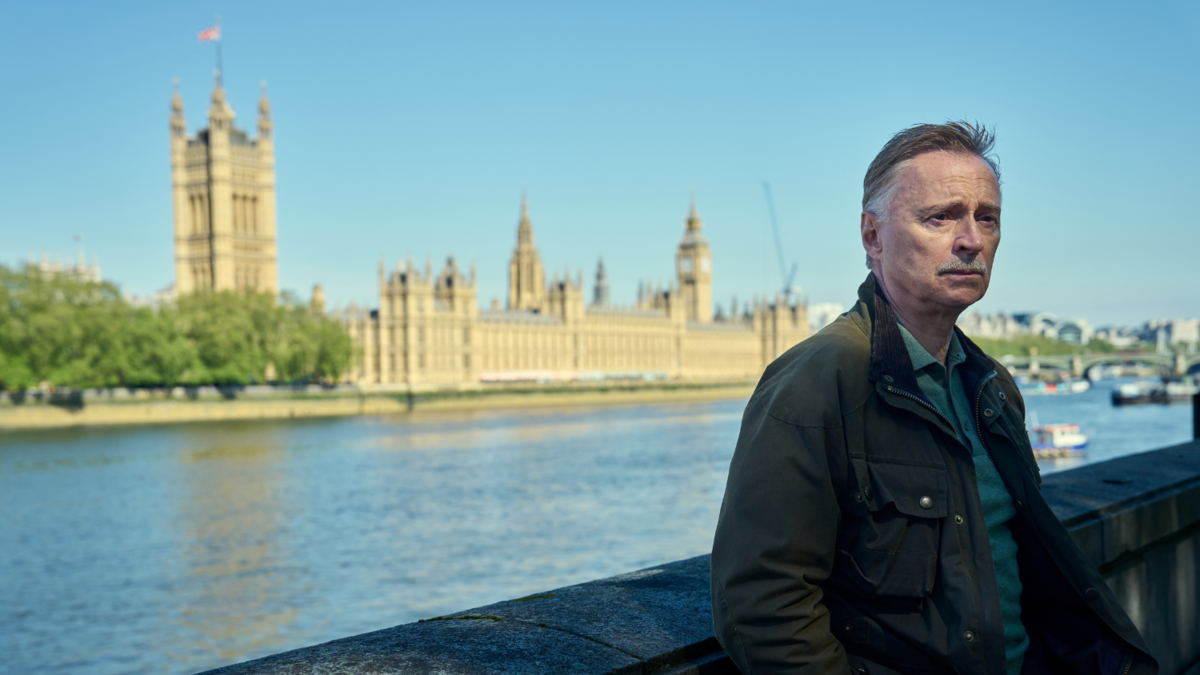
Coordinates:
(774, 547)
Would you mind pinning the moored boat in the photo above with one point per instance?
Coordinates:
(1169, 391)
(1055, 441)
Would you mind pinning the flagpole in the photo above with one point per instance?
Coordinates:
(220, 67)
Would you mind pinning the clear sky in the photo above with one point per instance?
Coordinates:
(411, 128)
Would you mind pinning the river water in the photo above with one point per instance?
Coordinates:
(173, 549)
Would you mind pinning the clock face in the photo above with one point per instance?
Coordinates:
(686, 264)
(704, 265)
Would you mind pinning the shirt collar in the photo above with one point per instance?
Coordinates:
(922, 359)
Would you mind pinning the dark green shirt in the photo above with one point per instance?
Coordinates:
(950, 398)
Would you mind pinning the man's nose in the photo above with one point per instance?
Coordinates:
(969, 239)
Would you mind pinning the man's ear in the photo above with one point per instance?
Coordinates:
(871, 241)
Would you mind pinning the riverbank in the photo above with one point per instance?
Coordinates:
(51, 415)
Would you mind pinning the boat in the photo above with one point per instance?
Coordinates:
(1065, 385)
(1167, 391)
(1056, 441)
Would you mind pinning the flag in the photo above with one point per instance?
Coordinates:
(210, 34)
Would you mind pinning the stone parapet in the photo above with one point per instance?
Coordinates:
(1137, 517)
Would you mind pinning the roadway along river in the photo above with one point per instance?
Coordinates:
(172, 549)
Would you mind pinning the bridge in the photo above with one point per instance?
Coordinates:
(1078, 364)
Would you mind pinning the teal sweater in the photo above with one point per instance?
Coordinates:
(950, 398)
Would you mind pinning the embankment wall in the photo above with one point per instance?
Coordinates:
(1136, 517)
(71, 413)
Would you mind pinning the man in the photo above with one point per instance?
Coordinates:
(883, 512)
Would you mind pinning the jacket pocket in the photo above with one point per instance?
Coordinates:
(892, 542)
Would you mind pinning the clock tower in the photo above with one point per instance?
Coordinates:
(693, 264)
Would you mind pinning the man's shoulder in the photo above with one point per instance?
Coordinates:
(820, 379)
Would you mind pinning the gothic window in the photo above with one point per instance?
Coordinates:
(254, 215)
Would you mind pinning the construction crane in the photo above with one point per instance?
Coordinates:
(788, 276)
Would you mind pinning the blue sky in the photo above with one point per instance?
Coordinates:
(411, 128)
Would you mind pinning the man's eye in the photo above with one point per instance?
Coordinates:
(941, 216)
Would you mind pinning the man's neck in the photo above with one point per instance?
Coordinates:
(932, 328)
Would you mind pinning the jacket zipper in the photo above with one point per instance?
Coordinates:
(978, 428)
(1128, 664)
(932, 409)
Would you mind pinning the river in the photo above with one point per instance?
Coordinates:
(177, 548)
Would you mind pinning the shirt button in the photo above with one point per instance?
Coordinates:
(968, 636)
(988, 412)
(926, 503)
(958, 519)
(858, 496)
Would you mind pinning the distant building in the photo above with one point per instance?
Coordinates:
(822, 314)
(223, 187)
(600, 290)
(994, 326)
(1169, 334)
(79, 269)
(163, 296)
(429, 331)
(1119, 337)
(1003, 327)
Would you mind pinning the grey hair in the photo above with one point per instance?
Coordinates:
(880, 184)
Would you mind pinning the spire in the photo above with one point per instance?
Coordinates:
(693, 219)
(178, 122)
(264, 105)
(220, 110)
(524, 228)
(600, 292)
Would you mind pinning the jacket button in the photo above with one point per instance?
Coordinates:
(1003, 397)
(958, 519)
(988, 412)
(1091, 594)
(858, 496)
(926, 503)
(968, 636)
(889, 378)
(1019, 505)
(867, 492)
(861, 671)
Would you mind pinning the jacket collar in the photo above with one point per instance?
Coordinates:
(890, 362)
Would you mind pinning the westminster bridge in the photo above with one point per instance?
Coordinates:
(1078, 364)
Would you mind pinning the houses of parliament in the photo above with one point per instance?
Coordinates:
(428, 330)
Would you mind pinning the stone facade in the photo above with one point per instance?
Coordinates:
(223, 187)
(429, 332)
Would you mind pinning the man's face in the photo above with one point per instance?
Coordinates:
(937, 246)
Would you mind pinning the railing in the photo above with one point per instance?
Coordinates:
(1137, 518)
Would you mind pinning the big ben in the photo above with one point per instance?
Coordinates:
(693, 263)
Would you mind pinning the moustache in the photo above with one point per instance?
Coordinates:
(975, 265)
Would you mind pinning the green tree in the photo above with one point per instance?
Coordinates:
(68, 332)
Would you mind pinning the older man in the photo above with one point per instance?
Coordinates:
(883, 512)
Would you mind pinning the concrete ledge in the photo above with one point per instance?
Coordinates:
(654, 621)
(1137, 517)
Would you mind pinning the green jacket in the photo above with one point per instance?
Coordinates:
(851, 537)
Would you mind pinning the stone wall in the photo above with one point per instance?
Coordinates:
(66, 411)
(1137, 517)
